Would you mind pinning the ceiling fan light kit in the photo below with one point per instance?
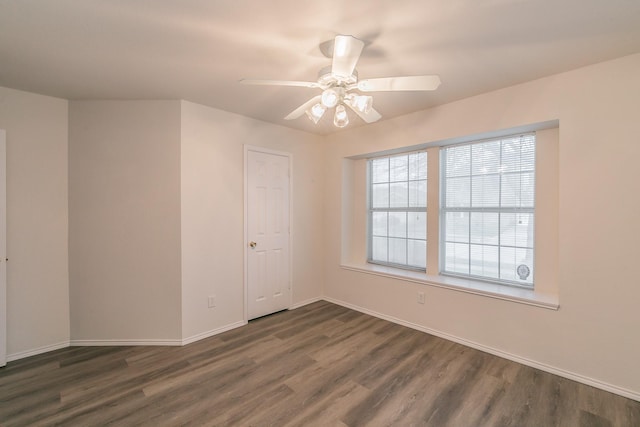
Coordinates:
(363, 103)
(340, 119)
(316, 112)
(339, 80)
(330, 97)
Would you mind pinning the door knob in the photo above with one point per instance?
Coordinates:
(252, 244)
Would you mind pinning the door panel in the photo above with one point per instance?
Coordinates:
(268, 281)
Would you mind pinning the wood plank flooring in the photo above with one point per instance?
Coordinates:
(319, 365)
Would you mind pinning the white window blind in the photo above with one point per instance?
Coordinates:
(487, 210)
(398, 210)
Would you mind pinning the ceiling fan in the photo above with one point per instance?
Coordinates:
(340, 86)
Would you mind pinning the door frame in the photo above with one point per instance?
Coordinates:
(4, 330)
(289, 156)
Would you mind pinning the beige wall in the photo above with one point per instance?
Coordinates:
(37, 221)
(156, 214)
(592, 335)
(124, 216)
(212, 213)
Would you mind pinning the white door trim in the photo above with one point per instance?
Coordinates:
(254, 148)
(3, 247)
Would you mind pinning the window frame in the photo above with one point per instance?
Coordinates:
(408, 209)
(443, 210)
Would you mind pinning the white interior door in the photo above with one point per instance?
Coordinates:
(3, 248)
(267, 221)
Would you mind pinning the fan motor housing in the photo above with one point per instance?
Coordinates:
(327, 78)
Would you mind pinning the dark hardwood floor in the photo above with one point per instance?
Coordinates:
(319, 365)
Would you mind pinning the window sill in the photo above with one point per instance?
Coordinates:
(491, 290)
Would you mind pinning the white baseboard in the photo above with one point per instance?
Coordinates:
(151, 342)
(305, 302)
(125, 342)
(35, 351)
(212, 332)
(631, 394)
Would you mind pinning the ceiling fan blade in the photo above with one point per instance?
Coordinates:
(278, 83)
(399, 83)
(369, 117)
(346, 52)
(304, 107)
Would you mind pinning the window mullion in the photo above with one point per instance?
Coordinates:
(388, 206)
(406, 218)
(442, 246)
(500, 215)
(470, 205)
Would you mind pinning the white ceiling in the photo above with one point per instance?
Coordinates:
(197, 50)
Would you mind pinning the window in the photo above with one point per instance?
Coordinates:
(487, 210)
(397, 199)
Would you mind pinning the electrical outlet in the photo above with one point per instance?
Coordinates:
(212, 301)
(420, 297)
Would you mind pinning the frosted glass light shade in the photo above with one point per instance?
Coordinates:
(341, 119)
(316, 112)
(330, 98)
(362, 103)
